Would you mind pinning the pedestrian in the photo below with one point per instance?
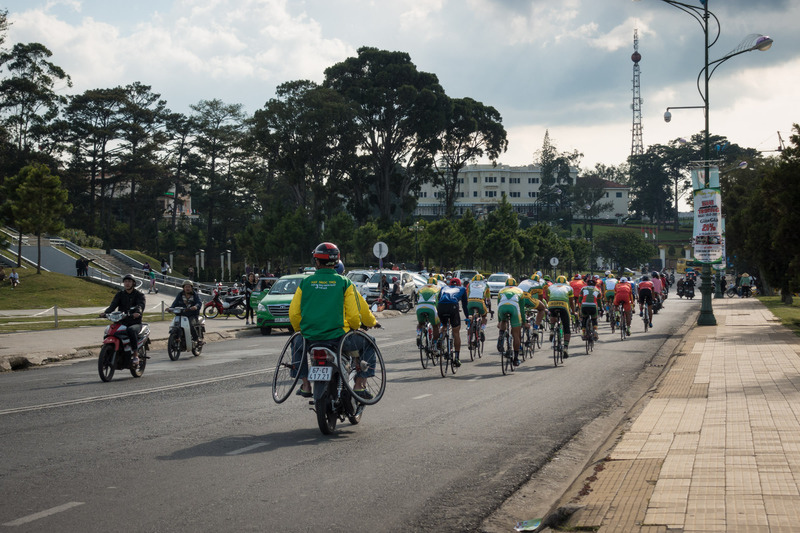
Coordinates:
(191, 273)
(152, 275)
(13, 278)
(2, 273)
(164, 269)
(79, 266)
(249, 287)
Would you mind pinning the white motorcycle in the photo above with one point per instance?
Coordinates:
(180, 334)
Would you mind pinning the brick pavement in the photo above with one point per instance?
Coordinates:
(716, 447)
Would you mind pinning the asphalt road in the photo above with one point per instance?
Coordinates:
(199, 445)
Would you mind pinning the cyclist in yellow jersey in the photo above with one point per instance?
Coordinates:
(477, 295)
(561, 302)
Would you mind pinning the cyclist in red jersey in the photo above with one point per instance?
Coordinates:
(646, 297)
(623, 296)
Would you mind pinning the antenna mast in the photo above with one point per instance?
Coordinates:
(637, 145)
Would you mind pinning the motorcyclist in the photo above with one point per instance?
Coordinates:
(131, 301)
(191, 302)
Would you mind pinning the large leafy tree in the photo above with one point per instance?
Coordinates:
(650, 185)
(626, 249)
(589, 194)
(399, 111)
(500, 247)
(471, 131)
(29, 101)
(41, 204)
(443, 242)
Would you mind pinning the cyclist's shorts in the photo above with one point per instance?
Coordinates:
(428, 312)
(646, 296)
(512, 312)
(449, 313)
(624, 301)
(565, 318)
(610, 296)
(587, 310)
(480, 305)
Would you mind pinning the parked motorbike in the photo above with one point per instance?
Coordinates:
(180, 334)
(402, 303)
(229, 305)
(117, 352)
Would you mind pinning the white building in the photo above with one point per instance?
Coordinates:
(482, 187)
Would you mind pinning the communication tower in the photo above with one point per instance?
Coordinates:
(637, 145)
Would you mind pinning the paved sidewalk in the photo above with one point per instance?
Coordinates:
(716, 445)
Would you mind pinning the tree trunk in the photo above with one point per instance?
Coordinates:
(19, 249)
(38, 253)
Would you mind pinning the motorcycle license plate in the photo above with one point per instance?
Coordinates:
(320, 373)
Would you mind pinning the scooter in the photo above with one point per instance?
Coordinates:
(231, 305)
(180, 334)
(688, 290)
(117, 353)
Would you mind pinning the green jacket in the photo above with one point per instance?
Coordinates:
(325, 306)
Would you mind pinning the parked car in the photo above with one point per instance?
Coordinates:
(371, 292)
(262, 288)
(273, 309)
(359, 277)
(465, 275)
(497, 281)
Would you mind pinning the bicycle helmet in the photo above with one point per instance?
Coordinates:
(623, 279)
(561, 279)
(455, 282)
(536, 277)
(339, 268)
(511, 282)
(577, 276)
(477, 277)
(655, 274)
(327, 253)
(546, 278)
(432, 281)
(608, 273)
(130, 277)
(645, 278)
(611, 276)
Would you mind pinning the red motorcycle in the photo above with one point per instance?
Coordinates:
(229, 305)
(117, 353)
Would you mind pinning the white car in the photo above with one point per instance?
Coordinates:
(497, 281)
(359, 277)
(370, 290)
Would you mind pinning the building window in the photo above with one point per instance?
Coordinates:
(490, 194)
(503, 179)
(513, 180)
(619, 195)
(461, 195)
(474, 193)
(532, 194)
(460, 180)
(490, 179)
(606, 195)
(475, 179)
(533, 180)
(513, 194)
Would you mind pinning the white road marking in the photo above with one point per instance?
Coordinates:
(421, 397)
(476, 378)
(42, 514)
(248, 448)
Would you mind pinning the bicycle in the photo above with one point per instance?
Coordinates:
(558, 341)
(446, 358)
(623, 328)
(589, 335)
(647, 317)
(474, 333)
(426, 346)
(506, 342)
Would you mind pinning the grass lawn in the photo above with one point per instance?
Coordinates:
(42, 291)
(789, 315)
(143, 258)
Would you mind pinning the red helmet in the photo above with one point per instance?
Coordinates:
(394, 278)
(455, 282)
(327, 253)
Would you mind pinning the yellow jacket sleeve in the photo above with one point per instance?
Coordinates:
(367, 318)
(294, 309)
(352, 317)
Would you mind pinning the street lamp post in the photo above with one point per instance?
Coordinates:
(751, 43)
(416, 228)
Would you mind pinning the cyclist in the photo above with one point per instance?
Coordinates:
(478, 294)
(658, 287)
(646, 298)
(513, 302)
(561, 302)
(426, 306)
(449, 298)
(624, 298)
(589, 298)
(609, 284)
(577, 284)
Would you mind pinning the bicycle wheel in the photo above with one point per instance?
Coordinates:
(646, 324)
(472, 341)
(424, 347)
(452, 356)
(444, 357)
(622, 329)
(365, 361)
(613, 322)
(503, 358)
(282, 381)
(539, 336)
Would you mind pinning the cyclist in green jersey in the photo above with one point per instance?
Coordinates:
(427, 302)
(561, 301)
(513, 302)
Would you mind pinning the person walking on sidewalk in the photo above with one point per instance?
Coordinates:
(129, 300)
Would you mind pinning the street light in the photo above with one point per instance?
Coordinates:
(416, 228)
(750, 43)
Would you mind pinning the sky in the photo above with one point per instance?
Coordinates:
(560, 67)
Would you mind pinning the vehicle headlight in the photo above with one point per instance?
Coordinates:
(261, 307)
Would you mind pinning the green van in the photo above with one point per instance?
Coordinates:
(273, 309)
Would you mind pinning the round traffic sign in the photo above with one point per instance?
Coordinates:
(380, 249)
(554, 261)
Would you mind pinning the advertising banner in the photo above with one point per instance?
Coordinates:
(708, 239)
